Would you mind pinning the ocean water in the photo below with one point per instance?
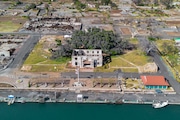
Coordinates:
(64, 111)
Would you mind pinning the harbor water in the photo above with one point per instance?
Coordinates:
(72, 111)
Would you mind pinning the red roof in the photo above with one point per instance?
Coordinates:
(154, 80)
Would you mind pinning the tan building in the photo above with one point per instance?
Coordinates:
(87, 58)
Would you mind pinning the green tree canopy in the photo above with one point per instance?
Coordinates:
(94, 38)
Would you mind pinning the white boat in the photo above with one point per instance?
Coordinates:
(160, 104)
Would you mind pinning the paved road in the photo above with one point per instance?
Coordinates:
(104, 74)
(35, 33)
(24, 51)
(163, 69)
(21, 55)
(165, 72)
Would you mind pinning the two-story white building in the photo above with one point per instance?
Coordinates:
(87, 58)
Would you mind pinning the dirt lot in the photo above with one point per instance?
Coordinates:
(11, 23)
(173, 22)
(125, 31)
(173, 33)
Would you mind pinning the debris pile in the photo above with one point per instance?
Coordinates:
(67, 25)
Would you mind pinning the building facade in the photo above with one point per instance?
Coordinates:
(87, 58)
(154, 82)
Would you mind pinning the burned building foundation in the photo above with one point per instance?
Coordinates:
(66, 25)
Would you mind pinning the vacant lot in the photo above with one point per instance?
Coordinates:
(128, 62)
(159, 43)
(136, 57)
(125, 31)
(11, 24)
(39, 59)
(132, 84)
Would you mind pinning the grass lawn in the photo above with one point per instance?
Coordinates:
(129, 70)
(48, 68)
(40, 61)
(159, 43)
(102, 69)
(130, 83)
(11, 23)
(37, 55)
(9, 26)
(118, 62)
(57, 61)
(134, 41)
(136, 57)
(172, 69)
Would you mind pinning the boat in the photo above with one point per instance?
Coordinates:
(119, 102)
(160, 104)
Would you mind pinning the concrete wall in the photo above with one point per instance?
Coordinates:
(90, 56)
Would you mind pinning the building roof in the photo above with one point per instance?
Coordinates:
(175, 34)
(154, 80)
(177, 39)
(83, 52)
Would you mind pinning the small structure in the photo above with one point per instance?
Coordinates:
(4, 53)
(104, 8)
(87, 58)
(10, 96)
(79, 98)
(177, 41)
(154, 82)
(115, 13)
(91, 5)
(67, 36)
(11, 99)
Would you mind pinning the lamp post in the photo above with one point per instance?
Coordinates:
(77, 72)
(78, 83)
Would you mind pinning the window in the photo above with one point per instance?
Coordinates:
(75, 58)
(92, 51)
(87, 51)
(76, 63)
(97, 51)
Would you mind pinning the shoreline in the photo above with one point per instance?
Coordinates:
(92, 97)
(87, 102)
